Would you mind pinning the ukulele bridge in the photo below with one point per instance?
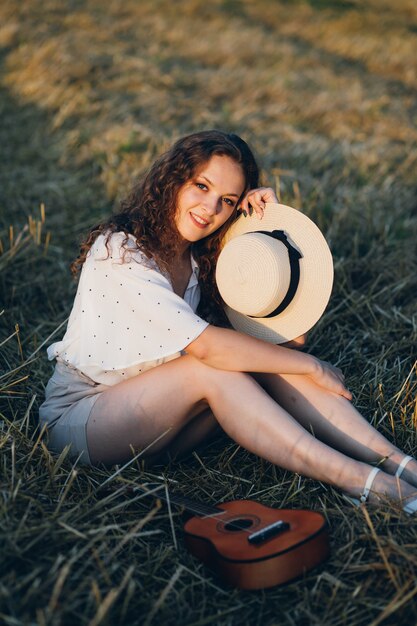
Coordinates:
(269, 531)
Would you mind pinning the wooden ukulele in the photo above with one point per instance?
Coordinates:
(252, 546)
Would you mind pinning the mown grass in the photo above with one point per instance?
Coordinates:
(90, 93)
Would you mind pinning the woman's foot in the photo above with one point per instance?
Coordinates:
(407, 470)
(379, 486)
(402, 466)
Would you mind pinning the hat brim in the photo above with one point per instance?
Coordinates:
(316, 274)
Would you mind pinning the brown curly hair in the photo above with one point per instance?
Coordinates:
(148, 213)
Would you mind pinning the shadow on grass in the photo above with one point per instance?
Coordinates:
(36, 288)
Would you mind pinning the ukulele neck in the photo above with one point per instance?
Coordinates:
(197, 508)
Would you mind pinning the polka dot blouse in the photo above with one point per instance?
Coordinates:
(126, 317)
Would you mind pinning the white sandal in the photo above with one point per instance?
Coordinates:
(402, 465)
(368, 485)
(366, 490)
(410, 507)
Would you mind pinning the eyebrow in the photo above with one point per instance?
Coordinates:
(235, 195)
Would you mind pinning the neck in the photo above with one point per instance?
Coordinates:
(183, 253)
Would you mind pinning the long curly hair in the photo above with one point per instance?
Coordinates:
(148, 213)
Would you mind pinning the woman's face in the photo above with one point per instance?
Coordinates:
(206, 201)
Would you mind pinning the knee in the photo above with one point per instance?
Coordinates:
(213, 380)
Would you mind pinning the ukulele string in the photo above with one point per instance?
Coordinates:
(167, 498)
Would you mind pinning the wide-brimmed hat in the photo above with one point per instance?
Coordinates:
(275, 274)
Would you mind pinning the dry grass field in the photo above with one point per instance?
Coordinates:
(90, 92)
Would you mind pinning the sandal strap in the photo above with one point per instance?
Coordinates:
(402, 465)
(411, 507)
(368, 484)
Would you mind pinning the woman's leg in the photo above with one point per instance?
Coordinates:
(199, 429)
(133, 414)
(334, 420)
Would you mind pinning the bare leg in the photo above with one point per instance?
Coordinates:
(334, 419)
(135, 413)
(201, 428)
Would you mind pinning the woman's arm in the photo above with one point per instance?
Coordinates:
(230, 350)
(226, 349)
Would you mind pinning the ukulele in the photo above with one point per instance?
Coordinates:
(249, 545)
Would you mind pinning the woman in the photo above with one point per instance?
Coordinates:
(119, 384)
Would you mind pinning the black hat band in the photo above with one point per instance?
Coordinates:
(294, 257)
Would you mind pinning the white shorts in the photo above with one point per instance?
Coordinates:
(69, 398)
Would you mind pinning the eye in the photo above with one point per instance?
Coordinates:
(201, 185)
(229, 202)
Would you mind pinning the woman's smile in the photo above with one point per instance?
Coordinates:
(198, 221)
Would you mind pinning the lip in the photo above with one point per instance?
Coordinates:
(202, 226)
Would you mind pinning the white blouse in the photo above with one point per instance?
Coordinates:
(126, 317)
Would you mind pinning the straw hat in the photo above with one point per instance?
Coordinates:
(275, 275)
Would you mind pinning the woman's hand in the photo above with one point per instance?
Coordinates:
(256, 199)
(331, 378)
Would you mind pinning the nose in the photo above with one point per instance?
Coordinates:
(211, 206)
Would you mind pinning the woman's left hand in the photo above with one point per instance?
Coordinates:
(331, 378)
(256, 199)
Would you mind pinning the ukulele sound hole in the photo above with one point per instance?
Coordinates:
(238, 524)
